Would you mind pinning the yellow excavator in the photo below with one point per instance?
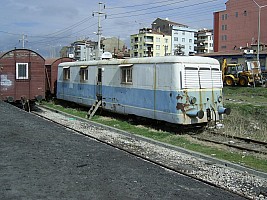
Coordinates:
(238, 74)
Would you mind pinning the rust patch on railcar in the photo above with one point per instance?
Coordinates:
(180, 105)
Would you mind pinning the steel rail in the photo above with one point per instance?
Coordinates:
(247, 140)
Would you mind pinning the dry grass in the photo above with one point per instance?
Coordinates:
(248, 118)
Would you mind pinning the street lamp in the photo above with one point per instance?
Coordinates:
(259, 27)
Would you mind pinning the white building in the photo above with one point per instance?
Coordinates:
(82, 50)
(183, 40)
(149, 43)
(183, 37)
(204, 41)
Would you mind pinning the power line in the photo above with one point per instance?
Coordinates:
(137, 5)
(157, 11)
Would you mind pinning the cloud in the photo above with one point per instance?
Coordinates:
(61, 22)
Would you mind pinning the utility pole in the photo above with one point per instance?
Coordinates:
(118, 43)
(259, 28)
(23, 40)
(99, 30)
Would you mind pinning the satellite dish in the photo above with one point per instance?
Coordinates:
(106, 56)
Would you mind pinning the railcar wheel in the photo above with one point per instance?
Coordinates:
(229, 81)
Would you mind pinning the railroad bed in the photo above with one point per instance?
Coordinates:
(42, 160)
(226, 175)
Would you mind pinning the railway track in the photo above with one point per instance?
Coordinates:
(239, 143)
(201, 168)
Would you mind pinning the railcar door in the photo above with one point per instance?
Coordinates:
(99, 84)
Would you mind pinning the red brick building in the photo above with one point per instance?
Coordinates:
(237, 26)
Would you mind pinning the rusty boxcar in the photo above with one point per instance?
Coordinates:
(51, 65)
(22, 76)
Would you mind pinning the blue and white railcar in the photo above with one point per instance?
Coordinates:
(176, 89)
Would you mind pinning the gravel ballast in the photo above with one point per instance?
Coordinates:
(247, 182)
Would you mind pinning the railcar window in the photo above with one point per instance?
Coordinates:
(83, 74)
(126, 73)
(203, 68)
(191, 68)
(66, 73)
(22, 70)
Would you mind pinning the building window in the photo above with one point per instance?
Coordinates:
(190, 40)
(22, 70)
(140, 39)
(157, 39)
(224, 37)
(66, 73)
(140, 55)
(157, 54)
(83, 73)
(183, 32)
(223, 47)
(224, 27)
(176, 39)
(166, 40)
(245, 13)
(236, 14)
(224, 17)
(183, 39)
(157, 47)
(126, 74)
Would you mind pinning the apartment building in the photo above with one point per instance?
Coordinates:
(149, 43)
(82, 50)
(237, 27)
(204, 42)
(182, 36)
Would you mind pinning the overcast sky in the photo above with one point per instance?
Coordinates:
(48, 25)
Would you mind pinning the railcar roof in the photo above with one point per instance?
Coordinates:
(147, 60)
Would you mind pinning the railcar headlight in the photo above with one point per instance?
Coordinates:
(220, 99)
(193, 100)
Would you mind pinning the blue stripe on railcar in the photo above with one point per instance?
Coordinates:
(79, 93)
(143, 98)
(155, 104)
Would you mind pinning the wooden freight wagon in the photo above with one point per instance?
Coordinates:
(51, 65)
(22, 76)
